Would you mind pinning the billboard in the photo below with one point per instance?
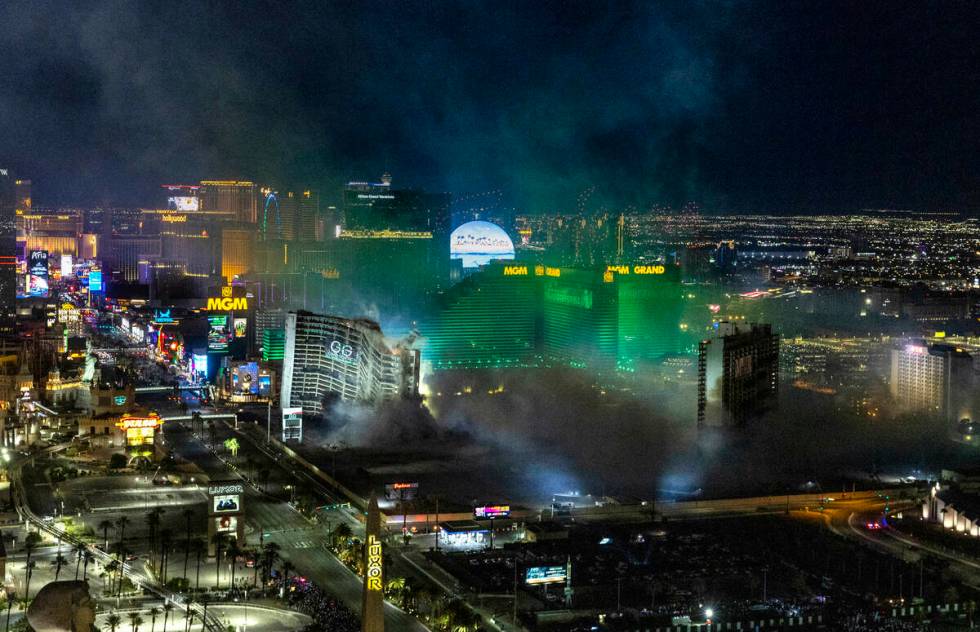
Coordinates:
(292, 424)
(37, 273)
(492, 511)
(245, 378)
(67, 266)
(537, 575)
(199, 364)
(183, 203)
(241, 327)
(226, 524)
(265, 385)
(226, 503)
(401, 491)
(95, 281)
(219, 337)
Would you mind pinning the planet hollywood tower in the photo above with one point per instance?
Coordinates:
(8, 254)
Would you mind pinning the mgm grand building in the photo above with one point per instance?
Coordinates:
(514, 314)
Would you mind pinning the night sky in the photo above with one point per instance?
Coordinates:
(743, 106)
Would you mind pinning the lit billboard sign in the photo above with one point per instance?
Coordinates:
(95, 281)
(218, 335)
(199, 364)
(226, 503)
(37, 273)
(492, 511)
(226, 524)
(537, 575)
(292, 424)
(401, 491)
(183, 203)
(67, 266)
(241, 326)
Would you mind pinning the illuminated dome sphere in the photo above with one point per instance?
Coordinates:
(477, 243)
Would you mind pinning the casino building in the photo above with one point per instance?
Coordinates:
(514, 314)
(348, 359)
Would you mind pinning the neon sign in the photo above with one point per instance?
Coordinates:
(373, 573)
(515, 270)
(637, 269)
(129, 423)
(226, 304)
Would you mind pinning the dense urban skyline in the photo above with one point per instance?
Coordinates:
(489, 316)
(779, 107)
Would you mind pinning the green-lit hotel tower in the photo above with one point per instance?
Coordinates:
(518, 314)
(486, 321)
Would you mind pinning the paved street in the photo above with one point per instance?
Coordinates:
(302, 544)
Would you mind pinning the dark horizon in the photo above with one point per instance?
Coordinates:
(768, 107)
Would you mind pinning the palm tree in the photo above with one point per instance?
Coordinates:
(199, 549)
(80, 550)
(154, 613)
(10, 604)
(270, 553)
(109, 570)
(188, 514)
(113, 621)
(232, 553)
(220, 540)
(287, 567)
(135, 620)
(166, 537)
(30, 545)
(122, 522)
(58, 562)
(105, 525)
(88, 558)
(153, 523)
(167, 609)
(30, 573)
(341, 534)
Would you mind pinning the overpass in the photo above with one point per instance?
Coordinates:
(166, 389)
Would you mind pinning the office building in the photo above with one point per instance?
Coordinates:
(738, 374)
(235, 200)
(8, 251)
(379, 207)
(328, 358)
(933, 378)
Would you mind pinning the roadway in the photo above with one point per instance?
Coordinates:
(271, 519)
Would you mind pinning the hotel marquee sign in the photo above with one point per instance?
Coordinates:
(373, 573)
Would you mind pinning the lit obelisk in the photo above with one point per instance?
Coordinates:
(372, 611)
